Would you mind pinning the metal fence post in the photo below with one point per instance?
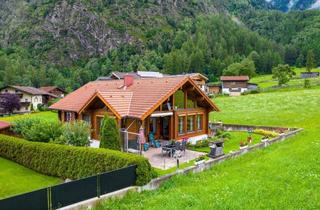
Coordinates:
(49, 198)
(98, 186)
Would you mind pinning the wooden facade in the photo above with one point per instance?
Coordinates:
(183, 114)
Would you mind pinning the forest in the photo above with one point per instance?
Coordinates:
(68, 43)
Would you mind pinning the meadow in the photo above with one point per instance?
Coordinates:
(266, 81)
(282, 176)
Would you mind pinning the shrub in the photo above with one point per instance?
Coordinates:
(75, 133)
(265, 133)
(225, 135)
(71, 162)
(43, 132)
(307, 83)
(109, 134)
(23, 125)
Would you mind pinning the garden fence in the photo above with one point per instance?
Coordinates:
(72, 192)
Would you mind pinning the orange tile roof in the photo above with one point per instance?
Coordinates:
(234, 78)
(134, 101)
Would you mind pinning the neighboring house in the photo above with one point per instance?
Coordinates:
(234, 85)
(170, 107)
(59, 92)
(30, 97)
(213, 89)
(199, 79)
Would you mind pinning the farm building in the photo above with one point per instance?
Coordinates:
(234, 85)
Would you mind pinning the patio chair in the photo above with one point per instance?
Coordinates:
(152, 140)
(183, 146)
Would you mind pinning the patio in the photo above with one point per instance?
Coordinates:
(162, 161)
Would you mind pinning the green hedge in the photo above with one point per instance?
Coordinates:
(71, 162)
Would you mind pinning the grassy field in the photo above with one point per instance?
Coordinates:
(47, 115)
(16, 179)
(233, 144)
(285, 175)
(266, 81)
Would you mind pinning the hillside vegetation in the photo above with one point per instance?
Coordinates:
(70, 42)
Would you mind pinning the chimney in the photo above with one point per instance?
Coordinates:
(128, 81)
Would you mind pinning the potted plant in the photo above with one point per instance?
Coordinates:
(200, 160)
(264, 139)
(243, 145)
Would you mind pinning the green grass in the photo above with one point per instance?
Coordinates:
(232, 144)
(266, 81)
(161, 172)
(16, 179)
(47, 115)
(285, 175)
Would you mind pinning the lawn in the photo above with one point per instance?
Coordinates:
(285, 175)
(47, 115)
(233, 143)
(16, 179)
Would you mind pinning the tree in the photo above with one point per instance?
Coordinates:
(283, 73)
(310, 63)
(109, 134)
(246, 67)
(9, 102)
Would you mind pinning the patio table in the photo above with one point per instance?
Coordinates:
(170, 148)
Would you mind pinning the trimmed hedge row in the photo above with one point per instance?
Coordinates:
(71, 162)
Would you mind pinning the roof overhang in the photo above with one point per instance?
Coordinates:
(99, 96)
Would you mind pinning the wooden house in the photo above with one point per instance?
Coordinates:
(234, 85)
(172, 108)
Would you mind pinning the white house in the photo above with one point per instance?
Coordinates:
(30, 97)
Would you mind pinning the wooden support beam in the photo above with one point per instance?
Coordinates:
(190, 89)
(185, 98)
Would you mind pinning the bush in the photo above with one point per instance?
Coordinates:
(43, 132)
(225, 135)
(75, 133)
(71, 162)
(109, 134)
(267, 134)
(23, 125)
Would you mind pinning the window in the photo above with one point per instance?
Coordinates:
(181, 125)
(190, 103)
(190, 125)
(86, 118)
(179, 99)
(199, 121)
(68, 116)
(26, 100)
(6, 90)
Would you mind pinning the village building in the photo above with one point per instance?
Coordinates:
(171, 108)
(30, 97)
(54, 90)
(234, 85)
(213, 89)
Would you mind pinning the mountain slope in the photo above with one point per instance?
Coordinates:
(288, 5)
